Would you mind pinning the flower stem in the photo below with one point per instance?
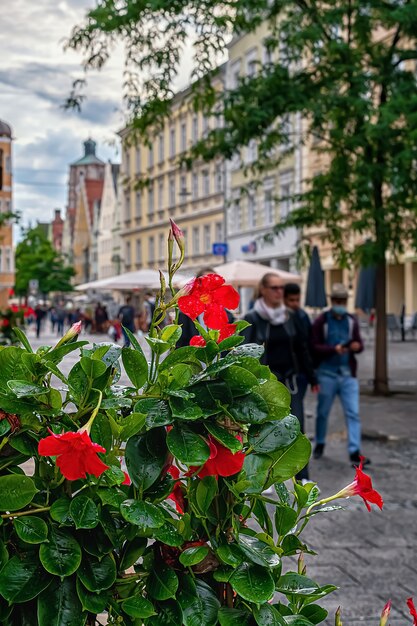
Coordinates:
(22, 513)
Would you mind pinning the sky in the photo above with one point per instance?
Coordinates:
(36, 75)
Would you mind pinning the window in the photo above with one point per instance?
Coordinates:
(161, 146)
(235, 74)
(151, 250)
(183, 188)
(251, 211)
(285, 189)
(127, 161)
(161, 247)
(206, 182)
(218, 178)
(218, 228)
(252, 151)
(283, 53)
(207, 239)
(195, 129)
(287, 132)
(269, 206)
(251, 62)
(138, 205)
(138, 252)
(151, 199)
(150, 156)
(172, 146)
(137, 160)
(127, 205)
(172, 199)
(196, 240)
(206, 126)
(266, 55)
(161, 194)
(237, 216)
(183, 136)
(128, 258)
(195, 185)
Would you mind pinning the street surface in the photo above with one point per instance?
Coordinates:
(370, 556)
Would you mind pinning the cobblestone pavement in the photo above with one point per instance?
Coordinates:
(371, 556)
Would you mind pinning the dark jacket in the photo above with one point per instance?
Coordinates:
(323, 350)
(300, 356)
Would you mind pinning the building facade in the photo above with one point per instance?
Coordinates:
(89, 194)
(7, 274)
(194, 199)
(107, 251)
(252, 215)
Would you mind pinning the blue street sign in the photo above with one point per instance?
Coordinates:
(220, 249)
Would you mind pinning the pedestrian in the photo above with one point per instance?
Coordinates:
(127, 318)
(101, 318)
(149, 306)
(60, 319)
(39, 315)
(279, 330)
(292, 300)
(53, 317)
(335, 341)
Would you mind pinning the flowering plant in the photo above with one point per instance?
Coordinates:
(187, 535)
(10, 318)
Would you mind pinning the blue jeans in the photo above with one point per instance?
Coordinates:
(347, 388)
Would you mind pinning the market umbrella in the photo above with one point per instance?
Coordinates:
(365, 289)
(315, 290)
(139, 279)
(248, 274)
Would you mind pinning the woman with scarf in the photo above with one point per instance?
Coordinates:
(283, 337)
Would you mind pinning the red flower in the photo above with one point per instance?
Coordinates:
(127, 480)
(221, 462)
(176, 494)
(385, 613)
(362, 486)
(209, 295)
(413, 611)
(225, 331)
(76, 454)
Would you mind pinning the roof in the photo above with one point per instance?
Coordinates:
(89, 157)
(5, 129)
(94, 191)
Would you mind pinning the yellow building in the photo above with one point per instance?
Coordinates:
(6, 232)
(252, 215)
(194, 199)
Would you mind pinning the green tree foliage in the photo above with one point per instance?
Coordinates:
(345, 67)
(36, 258)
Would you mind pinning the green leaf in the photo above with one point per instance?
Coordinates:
(253, 583)
(145, 457)
(250, 409)
(132, 551)
(184, 408)
(16, 491)
(188, 447)
(314, 613)
(198, 602)
(258, 552)
(136, 366)
(205, 492)
(230, 554)
(222, 435)
(84, 512)
(285, 519)
(60, 511)
(59, 605)
(31, 529)
(239, 379)
(157, 411)
(233, 617)
(57, 354)
(97, 574)
(136, 606)
(133, 340)
(171, 334)
(21, 388)
(296, 585)
(92, 368)
(23, 578)
(101, 432)
(254, 473)
(131, 425)
(142, 514)
(277, 397)
(287, 462)
(92, 602)
(4, 427)
(22, 338)
(61, 556)
(186, 354)
(297, 620)
(162, 583)
(112, 497)
(194, 555)
(274, 435)
(169, 535)
(168, 614)
(267, 615)
(11, 367)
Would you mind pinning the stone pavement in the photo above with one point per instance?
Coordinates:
(370, 556)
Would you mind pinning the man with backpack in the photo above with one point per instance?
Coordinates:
(335, 341)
